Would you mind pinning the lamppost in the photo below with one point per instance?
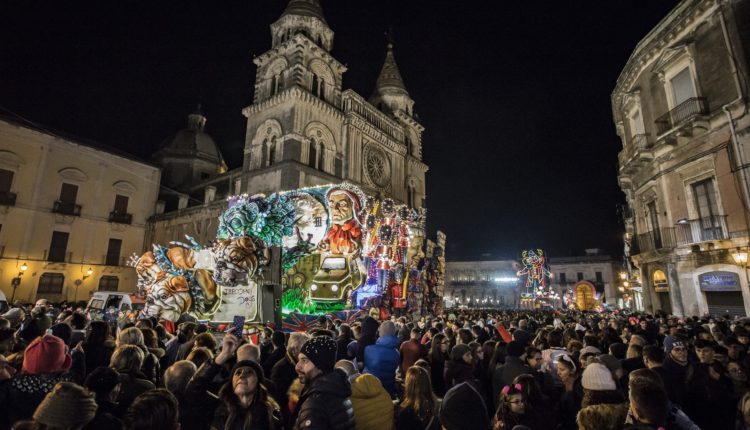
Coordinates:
(15, 282)
(740, 257)
(80, 281)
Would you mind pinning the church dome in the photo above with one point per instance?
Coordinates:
(192, 141)
(305, 8)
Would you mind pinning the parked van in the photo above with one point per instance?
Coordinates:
(3, 303)
(102, 300)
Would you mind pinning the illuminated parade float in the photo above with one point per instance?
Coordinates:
(338, 250)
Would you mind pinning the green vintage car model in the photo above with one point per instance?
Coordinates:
(336, 279)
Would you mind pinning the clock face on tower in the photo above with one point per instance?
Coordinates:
(377, 166)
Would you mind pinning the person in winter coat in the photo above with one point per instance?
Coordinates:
(602, 407)
(373, 408)
(67, 407)
(342, 341)
(411, 350)
(45, 363)
(513, 409)
(324, 402)
(98, 346)
(419, 410)
(150, 367)
(127, 360)
(572, 395)
(504, 375)
(367, 337)
(437, 357)
(675, 368)
(283, 374)
(458, 369)
(244, 402)
(278, 340)
(463, 408)
(104, 384)
(382, 358)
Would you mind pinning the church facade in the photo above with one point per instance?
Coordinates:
(303, 130)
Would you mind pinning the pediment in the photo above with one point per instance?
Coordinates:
(124, 187)
(10, 159)
(73, 174)
(669, 56)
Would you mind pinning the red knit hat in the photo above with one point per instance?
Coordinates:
(46, 354)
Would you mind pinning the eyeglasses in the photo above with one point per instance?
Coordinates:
(517, 402)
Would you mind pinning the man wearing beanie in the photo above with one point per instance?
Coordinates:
(514, 366)
(382, 358)
(675, 366)
(463, 408)
(67, 406)
(459, 368)
(324, 402)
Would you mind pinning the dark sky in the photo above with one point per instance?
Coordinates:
(515, 96)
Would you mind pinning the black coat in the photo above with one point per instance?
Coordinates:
(98, 355)
(324, 404)
(20, 395)
(456, 373)
(282, 375)
(105, 417)
(131, 386)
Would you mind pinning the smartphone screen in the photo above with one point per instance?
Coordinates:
(239, 324)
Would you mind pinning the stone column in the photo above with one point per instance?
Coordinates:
(675, 294)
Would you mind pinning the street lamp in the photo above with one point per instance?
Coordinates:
(623, 275)
(15, 282)
(740, 256)
(78, 282)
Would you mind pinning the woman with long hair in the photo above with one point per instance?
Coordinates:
(437, 356)
(367, 337)
(150, 367)
(98, 346)
(419, 409)
(570, 400)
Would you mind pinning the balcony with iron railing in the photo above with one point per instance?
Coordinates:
(7, 198)
(120, 218)
(681, 114)
(637, 152)
(66, 208)
(701, 230)
(663, 238)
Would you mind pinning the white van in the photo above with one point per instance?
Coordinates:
(3, 303)
(102, 300)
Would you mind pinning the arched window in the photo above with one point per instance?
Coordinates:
(264, 150)
(315, 85)
(410, 197)
(322, 94)
(51, 283)
(312, 157)
(272, 151)
(274, 84)
(108, 283)
(322, 158)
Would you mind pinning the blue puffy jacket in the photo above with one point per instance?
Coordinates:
(382, 360)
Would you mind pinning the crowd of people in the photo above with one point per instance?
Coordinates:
(470, 369)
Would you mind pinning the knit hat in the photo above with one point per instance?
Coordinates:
(597, 377)
(619, 350)
(670, 342)
(253, 365)
(102, 380)
(66, 406)
(464, 408)
(46, 354)
(321, 350)
(387, 328)
(591, 350)
(514, 349)
(458, 352)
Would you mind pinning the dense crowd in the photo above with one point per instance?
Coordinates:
(511, 369)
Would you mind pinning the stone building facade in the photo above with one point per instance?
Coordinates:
(482, 284)
(600, 270)
(303, 129)
(680, 108)
(70, 215)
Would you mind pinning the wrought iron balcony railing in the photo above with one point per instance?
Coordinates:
(120, 218)
(662, 238)
(7, 198)
(702, 230)
(681, 113)
(66, 208)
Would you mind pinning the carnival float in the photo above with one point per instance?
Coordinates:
(340, 251)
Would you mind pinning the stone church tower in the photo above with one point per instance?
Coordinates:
(303, 129)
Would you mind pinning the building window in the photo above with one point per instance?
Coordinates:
(562, 278)
(6, 180)
(121, 204)
(68, 194)
(113, 252)
(51, 283)
(58, 247)
(705, 199)
(264, 149)
(635, 120)
(272, 151)
(322, 158)
(579, 275)
(318, 221)
(599, 277)
(108, 283)
(682, 88)
(313, 154)
(315, 84)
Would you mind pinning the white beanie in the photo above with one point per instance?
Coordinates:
(597, 377)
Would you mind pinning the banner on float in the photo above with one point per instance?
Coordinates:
(239, 300)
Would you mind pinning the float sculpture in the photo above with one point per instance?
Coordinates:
(339, 249)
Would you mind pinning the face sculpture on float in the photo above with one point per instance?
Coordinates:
(343, 236)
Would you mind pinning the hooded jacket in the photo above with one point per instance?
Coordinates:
(382, 359)
(373, 409)
(325, 404)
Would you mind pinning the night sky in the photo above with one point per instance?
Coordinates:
(515, 96)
